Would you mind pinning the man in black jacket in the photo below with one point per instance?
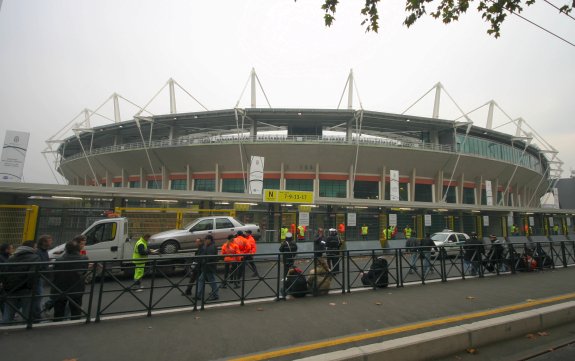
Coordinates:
(208, 267)
(69, 286)
(20, 282)
(289, 249)
(333, 243)
(473, 252)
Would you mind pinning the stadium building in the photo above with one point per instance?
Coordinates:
(364, 168)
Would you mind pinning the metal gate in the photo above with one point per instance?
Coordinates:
(17, 223)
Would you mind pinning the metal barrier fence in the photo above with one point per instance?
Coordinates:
(17, 223)
(101, 289)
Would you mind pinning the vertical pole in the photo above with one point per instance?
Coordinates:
(350, 90)
(490, 115)
(519, 124)
(87, 118)
(437, 100)
(117, 117)
(172, 96)
(253, 88)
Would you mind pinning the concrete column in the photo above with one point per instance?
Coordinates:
(478, 190)
(165, 178)
(282, 177)
(349, 187)
(142, 179)
(253, 129)
(460, 189)
(108, 180)
(188, 178)
(316, 182)
(495, 192)
(382, 184)
(439, 187)
(412, 186)
(217, 181)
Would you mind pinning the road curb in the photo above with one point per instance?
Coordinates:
(445, 342)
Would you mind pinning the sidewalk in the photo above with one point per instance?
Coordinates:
(227, 332)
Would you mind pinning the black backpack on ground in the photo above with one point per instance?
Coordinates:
(377, 275)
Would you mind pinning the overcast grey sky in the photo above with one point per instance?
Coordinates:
(59, 57)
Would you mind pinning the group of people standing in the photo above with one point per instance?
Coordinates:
(23, 275)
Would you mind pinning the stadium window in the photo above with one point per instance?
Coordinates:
(333, 188)
(206, 185)
(299, 185)
(233, 185)
(154, 184)
(366, 190)
(468, 195)
(450, 198)
(271, 184)
(179, 184)
(134, 184)
(117, 184)
(423, 193)
(484, 197)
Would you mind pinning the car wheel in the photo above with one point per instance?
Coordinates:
(170, 247)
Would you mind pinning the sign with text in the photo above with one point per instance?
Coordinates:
(427, 219)
(485, 221)
(13, 155)
(256, 174)
(304, 219)
(393, 220)
(277, 196)
(394, 185)
(488, 193)
(351, 219)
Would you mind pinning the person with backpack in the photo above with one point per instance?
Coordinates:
(295, 283)
(333, 243)
(495, 255)
(426, 248)
(19, 281)
(377, 276)
(473, 251)
(68, 285)
(229, 250)
(319, 244)
(195, 268)
(288, 249)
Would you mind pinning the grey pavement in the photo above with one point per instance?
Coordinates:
(223, 332)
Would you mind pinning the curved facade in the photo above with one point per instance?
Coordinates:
(340, 155)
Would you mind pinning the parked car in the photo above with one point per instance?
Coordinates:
(183, 239)
(450, 240)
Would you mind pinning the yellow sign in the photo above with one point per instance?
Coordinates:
(277, 196)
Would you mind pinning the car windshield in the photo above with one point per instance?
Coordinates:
(439, 236)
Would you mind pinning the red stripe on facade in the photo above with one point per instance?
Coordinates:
(368, 178)
(134, 178)
(450, 183)
(232, 175)
(178, 176)
(272, 175)
(333, 176)
(424, 181)
(299, 176)
(154, 177)
(468, 185)
(204, 176)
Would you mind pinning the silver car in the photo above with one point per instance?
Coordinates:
(450, 240)
(183, 239)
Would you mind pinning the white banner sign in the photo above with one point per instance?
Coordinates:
(393, 220)
(304, 219)
(256, 174)
(568, 219)
(550, 221)
(489, 193)
(427, 220)
(510, 219)
(532, 221)
(13, 155)
(351, 219)
(394, 185)
(485, 221)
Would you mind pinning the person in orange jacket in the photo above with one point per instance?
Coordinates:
(251, 241)
(244, 247)
(230, 250)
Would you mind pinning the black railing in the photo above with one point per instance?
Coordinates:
(107, 290)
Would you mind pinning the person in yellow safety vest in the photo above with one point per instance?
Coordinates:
(514, 230)
(283, 232)
(364, 230)
(300, 232)
(556, 229)
(407, 231)
(139, 257)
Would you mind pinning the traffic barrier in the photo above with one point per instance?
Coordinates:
(170, 282)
